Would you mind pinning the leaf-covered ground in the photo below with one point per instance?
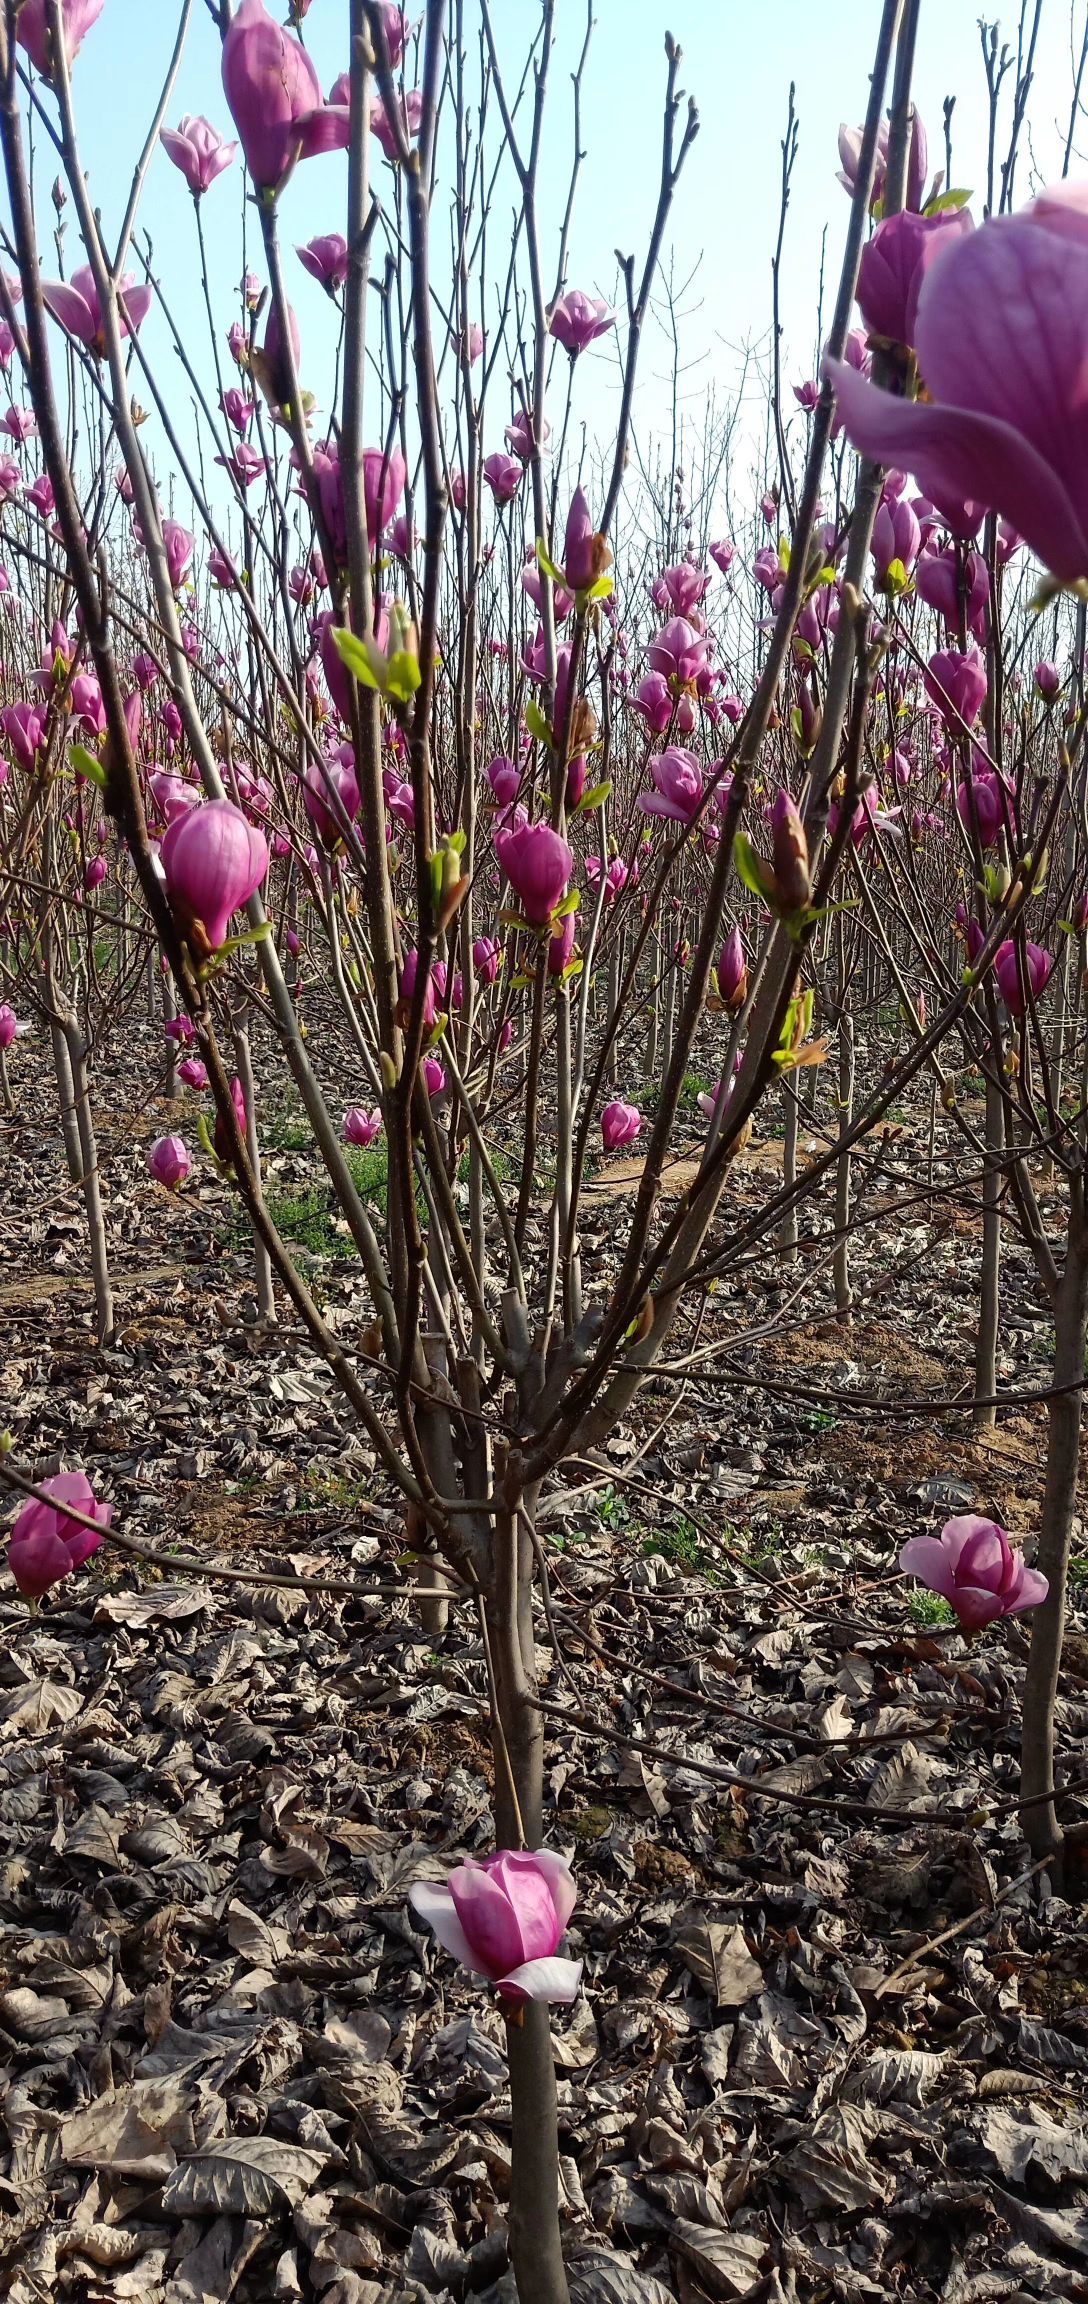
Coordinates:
(833, 2044)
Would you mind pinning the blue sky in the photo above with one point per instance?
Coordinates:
(739, 59)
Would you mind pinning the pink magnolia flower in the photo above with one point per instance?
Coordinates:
(850, 142)
(1048, 679)
(221, 1141)
(678, 785)
(895, 265)
(8, 1026)
(24, 727)
(654, 699)
(504, 475)
(409, 977)
(361, 1127)
(326, 260)
(170, 1161)
(538, 865)
(973, 1566)
(520, 437)
(1017, 986)
(723, 555)
(213, 860)
(198, 150)
(957, 684)
(990, 804)
(620, 1124)
(577, 320)
(45, 1543)
(193, 1072)
(504, 1919)
(32, 29)
(179, 547)
(95, 874)
(75, 304)
(275, 98)
(434, 1078)
(731, 974)
(486, 955)
(1002, 341)
(11, 479)
(678, 651)
(937, 582)
(411, 113)
(681, 588)
(20, 424)
(896, 536)
(383, 486)
(561, 944)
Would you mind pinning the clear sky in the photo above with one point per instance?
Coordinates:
(739, 57)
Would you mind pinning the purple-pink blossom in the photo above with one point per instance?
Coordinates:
(170, 1161)
(326, 260)
(213, 861)
(538, 865)
(1021, 976)
(975, 1568)
(198, 150)
(577, 320)
(74, 303)
(32, 29)
(275, 98)
(504, 1919)
(45, 1542)
(678, 785)
(620, 1124)
(361, 1127)
(1001, 338)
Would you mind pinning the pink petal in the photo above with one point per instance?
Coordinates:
(434, 1905)
(955, 453)
(958, 1532)
(1031, 1590)
(325, 131)
(984, 1559)
(549, 1979)
(926, 1558)
(70, 308)
(561, 1881)
(975, 1607)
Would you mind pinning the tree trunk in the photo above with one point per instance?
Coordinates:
(535, 2246)
(262, 1262)
(787, 1230)
(1041, 1827)
(989, 1309)
(844, 1294)
(89, 1178)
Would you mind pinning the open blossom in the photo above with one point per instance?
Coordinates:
(850, 142)
(1001, 338)
(504, 1919)
(275, 98)
(973, 1566)
(45, 1542)
(193, 1072)
(75, 304)
(213, 861)
(1014, 973)
(538, 865)
(678, 785)
(681, 588)
(620, 1124)
(577, 320)
(678, 651)
(198, 150)
(32, 29)
(361, 1127)
(170, 1161)
(520, 438)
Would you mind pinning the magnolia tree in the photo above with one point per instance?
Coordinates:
(413, 722)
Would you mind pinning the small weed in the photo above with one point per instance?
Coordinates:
(325, 1491)
(820, 1420)
(1078, 1571)
(929, 1608)
(370, 1172)
(681, 1545)
(611, 1509)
